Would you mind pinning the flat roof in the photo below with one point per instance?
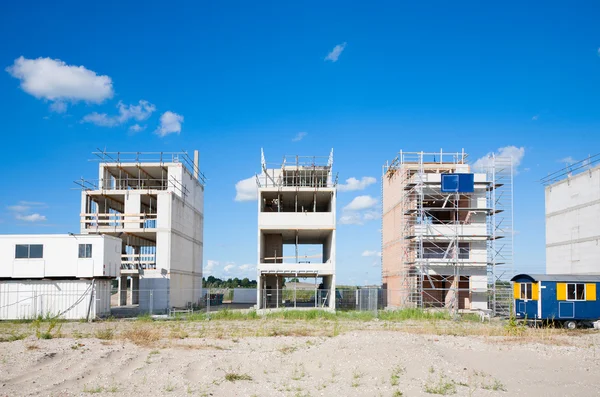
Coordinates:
(558, 277)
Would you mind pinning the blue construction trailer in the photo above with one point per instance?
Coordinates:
(567, 299)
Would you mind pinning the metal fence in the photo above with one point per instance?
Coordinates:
(130, 303)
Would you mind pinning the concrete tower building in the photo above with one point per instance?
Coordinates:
(296, 207)
(154, 203)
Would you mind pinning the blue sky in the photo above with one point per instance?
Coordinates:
(231, 77)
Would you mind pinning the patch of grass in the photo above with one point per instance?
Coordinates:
(143, 335)
(495, 386)
(93, 390)
(298, 372)
(414, 314)
(395, 377)
(234, 377)
(356, 375)
(306, 315)
(13, 336)
(169, 387)
(178, 332)
(105, 334)
(287, 349)
(397, 393)
(443, 386)
(145, 318)
(32, 346)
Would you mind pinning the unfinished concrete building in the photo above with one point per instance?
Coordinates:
(296, 208)
(440, 232)
(572, 214)
(154, 203)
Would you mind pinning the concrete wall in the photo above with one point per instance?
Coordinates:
(60, 257)
(67, 299)
(572, 227)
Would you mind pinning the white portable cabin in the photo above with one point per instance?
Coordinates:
(66, 276)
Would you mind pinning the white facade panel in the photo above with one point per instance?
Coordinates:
(60, 256)
(573, 224)
(296, 220)
(65, 299)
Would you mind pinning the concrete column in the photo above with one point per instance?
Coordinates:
(122, 290)
(135, 290)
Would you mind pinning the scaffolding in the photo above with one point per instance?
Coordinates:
(441, 249)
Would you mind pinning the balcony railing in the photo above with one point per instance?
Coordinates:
(118, 221)
(138, 261)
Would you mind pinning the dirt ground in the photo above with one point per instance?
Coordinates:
(295, 358)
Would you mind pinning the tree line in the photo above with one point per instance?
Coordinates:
(215, 282)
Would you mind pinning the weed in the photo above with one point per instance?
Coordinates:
(356, 375)
(299, 372)
(397, 393)
(143, 335)
(13, 336)
(32, 346)
(495, 386)
(443, 386)
(93, 390)
(395, 377)
(287, 349)
(53, 331)
(234, 377)
(169, 387)
(105, 334)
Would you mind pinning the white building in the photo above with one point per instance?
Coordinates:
(438, 232)
(573, 220)
(153, 202)
(296, 208)
(62, 275)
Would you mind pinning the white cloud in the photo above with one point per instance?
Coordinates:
(139, 112)
(31, 217)
(371, 253)
(335, 53)
(599, 51)
(516, 153)
(371, 215)
(210, 266)
(247, 267)
(359, 211)
(23, 211)
(361, 203)
(350, 218)
(58, 107)
(536, 117)
(229, 267)
(355, 184)
(18, 208)
(299, 136)
(55, 81)
(568, 160)
(169, 123)
(246, 189)
(137, 128)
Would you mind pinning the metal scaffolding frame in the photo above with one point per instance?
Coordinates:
(434, 240)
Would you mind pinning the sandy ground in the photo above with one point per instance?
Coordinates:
(227, 359)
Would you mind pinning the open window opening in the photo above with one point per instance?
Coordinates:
(316, 201)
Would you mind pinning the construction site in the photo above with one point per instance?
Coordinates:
(447, 232)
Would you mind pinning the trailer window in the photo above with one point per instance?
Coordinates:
(576, 292)
(85, 250)
(29, 251)
(526, 291)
